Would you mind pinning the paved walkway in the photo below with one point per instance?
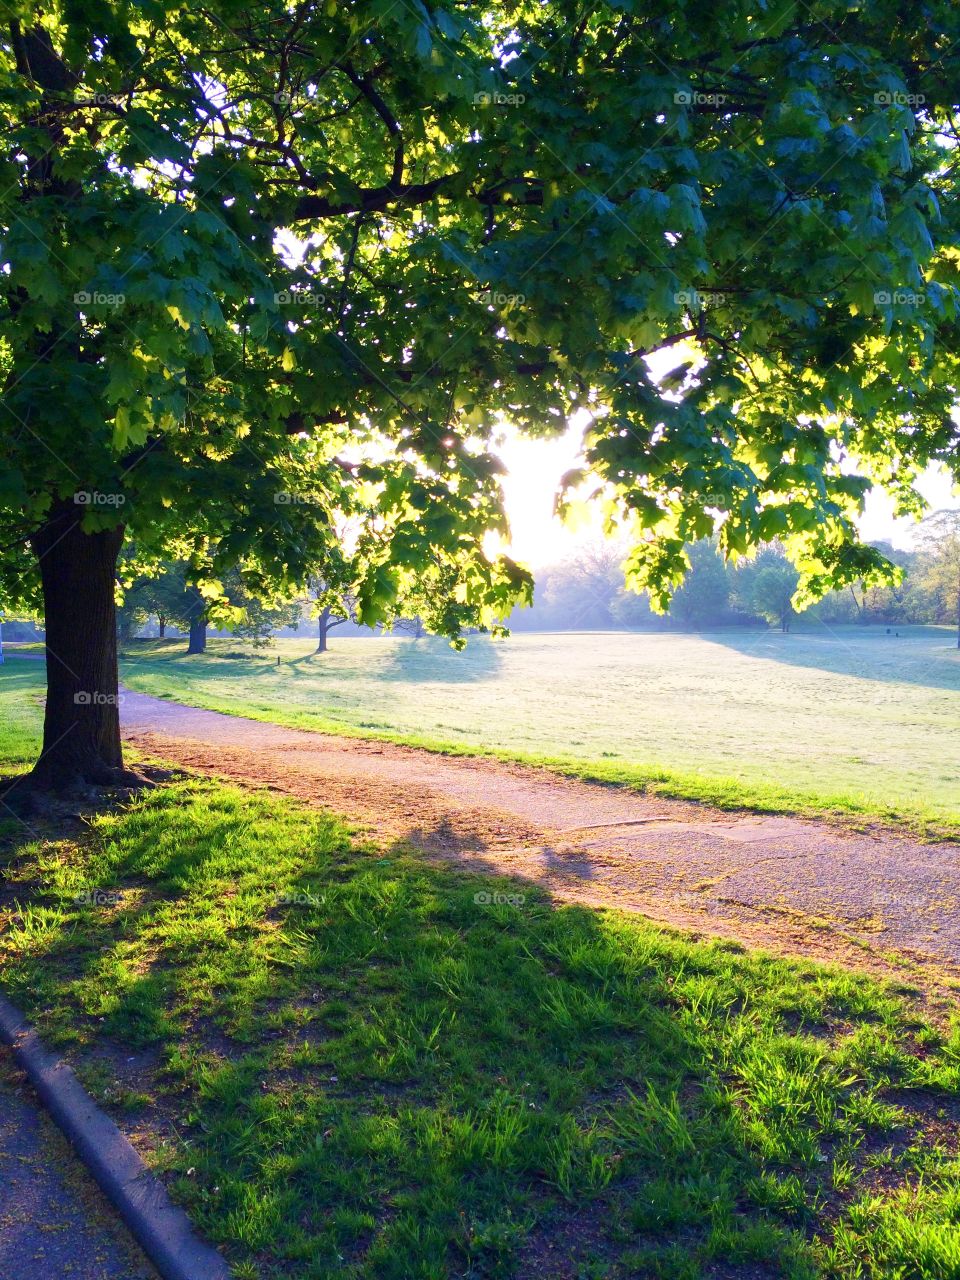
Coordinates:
(54, 1224)
(794, 885)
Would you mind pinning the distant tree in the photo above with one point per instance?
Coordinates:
(166, 593)
(326, 621)
(772, 591)
(198, 623)
(580, 592)
(251, 611)
(887, 601)
(632, 609)
(704, 597)
(334, 605)
(258, 621)
(838, 608)
(939, 568)
(413, 627)
(435, 603)
(132, 610)
(171, 599)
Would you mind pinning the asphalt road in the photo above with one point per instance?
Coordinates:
(54, 1223)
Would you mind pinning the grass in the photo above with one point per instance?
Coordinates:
(849, 721)
(21, 690)
(349, 1064)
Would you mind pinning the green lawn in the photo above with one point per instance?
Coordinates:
(22, 685)
(851, 719)
(349, 1065)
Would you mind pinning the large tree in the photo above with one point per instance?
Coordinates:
(268, 265)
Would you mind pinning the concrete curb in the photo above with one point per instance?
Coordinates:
(162, 1230)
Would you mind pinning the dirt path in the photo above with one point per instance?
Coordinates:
(877, 900)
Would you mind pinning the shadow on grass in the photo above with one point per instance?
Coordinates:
(925, 656)
(429, 659)
(364, 1066)
(432, 660)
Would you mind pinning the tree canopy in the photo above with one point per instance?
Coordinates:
(246, 245)
(274, 275)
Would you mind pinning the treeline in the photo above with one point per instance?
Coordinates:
(583, 593)
(168, 596)
(164, 601)
(587, 592)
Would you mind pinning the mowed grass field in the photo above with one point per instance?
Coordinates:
(849, 719)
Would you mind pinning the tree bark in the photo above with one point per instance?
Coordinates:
(198, 635)
(323, 626)
(81, 727)
(161, 626)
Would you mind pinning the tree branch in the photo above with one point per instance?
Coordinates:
(386, 115)
(371, 199)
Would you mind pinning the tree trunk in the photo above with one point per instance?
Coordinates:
(81, 726)
(198, 635)
(161, 625)
(323, 626)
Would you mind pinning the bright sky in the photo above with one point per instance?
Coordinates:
(539, 537)
(535, 468)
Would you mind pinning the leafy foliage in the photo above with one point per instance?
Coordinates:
(274, 275)
(163, 593)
